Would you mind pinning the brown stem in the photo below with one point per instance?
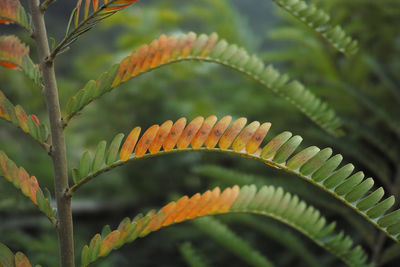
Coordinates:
(64, 226)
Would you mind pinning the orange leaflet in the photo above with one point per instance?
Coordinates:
(163, 49)
(35, 119)
(180, 205)
(232, 132)
(154, 223)
(9, 65)
(109, 242)
(22, 118)
(9, 9)
(3, 165)
(158, 52)
(258, 137)
(12, 51)
(95, 4)
(226, 205)
(206, 208)
(166, 210)
(21, 260)
(216, 205)
(6, 21)
(245, 136)
(212, 40)
(187, 46)
(123, 66)
(131, 65)
(174, 134)
(189, 132)
(149, 57)
(218, 131)
(203, 132)
(193, 201)
(161, 135)
(146, 140)
(23, 181)
(204, 199)
(87, 5)
(123, 228)
(171, 46)
(33, 187)
(129, 144)
(141, 57)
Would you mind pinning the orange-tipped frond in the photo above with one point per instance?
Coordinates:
(15, 55)
(11, 11)
(267, 201)
(26, 183)
(17, 116)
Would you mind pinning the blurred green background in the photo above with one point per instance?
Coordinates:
(363, 89)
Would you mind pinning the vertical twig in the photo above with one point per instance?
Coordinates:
(58, 153)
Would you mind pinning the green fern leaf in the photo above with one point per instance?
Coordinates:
(17, 116)
(319, 21)
(27, 184)
(165, 50)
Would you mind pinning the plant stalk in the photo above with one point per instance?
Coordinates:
(58, 151)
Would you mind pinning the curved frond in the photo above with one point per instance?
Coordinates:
(267, 201)
(15, 55)
(28, 185)
(313, 196)
(11, 11)
(221, 233)
(8, 259)
(165, 50)
(319, 21)
(99, 13)
(280, 235)
(192, 257)
(28, 123)
(312, 164)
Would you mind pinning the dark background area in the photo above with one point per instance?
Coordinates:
(191, 89)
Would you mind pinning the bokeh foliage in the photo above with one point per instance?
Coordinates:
(363, 89)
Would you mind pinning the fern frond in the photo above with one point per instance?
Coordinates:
(279, 235)
(192, 257)
(165, 50)
(15, 55)
(28, 185)
(228, 239)
(99, 13)
(11, 12)
(29, 124)
(8, 259)
(319, 21)
(311, 195)
(268, 201)
(316, 166)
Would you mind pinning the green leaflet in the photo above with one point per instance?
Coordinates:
(228, 239)
(114, 149)
(91, 91)
(6, 256)
(85, 165)
(192, 257)
(99, 156)
(319, 21)
(17, 116)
